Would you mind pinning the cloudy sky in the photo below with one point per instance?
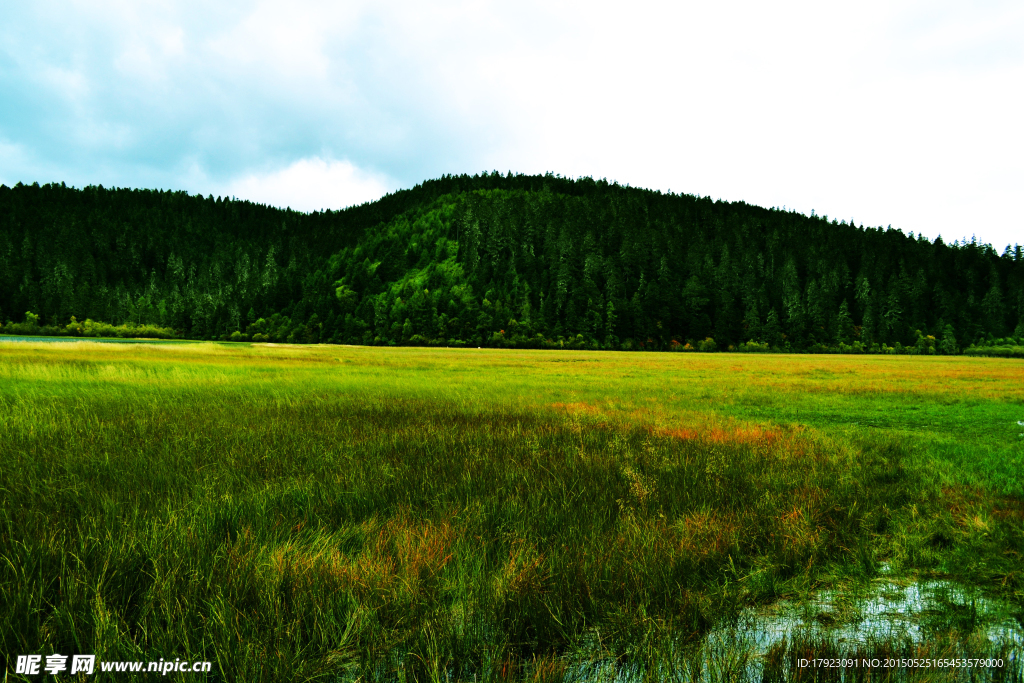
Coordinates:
(897, 112)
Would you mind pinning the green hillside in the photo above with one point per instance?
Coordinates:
(494, 260)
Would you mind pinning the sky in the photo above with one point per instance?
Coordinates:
(898, 112)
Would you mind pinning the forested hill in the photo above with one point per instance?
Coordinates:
(494, 260)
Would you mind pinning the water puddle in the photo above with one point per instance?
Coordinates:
(914, 612)
(889, 619)
(98, 340)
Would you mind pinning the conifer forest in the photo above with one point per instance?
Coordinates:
(500, 261)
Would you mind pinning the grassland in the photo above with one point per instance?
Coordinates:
(322, 513)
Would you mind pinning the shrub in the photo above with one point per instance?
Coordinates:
(707, 345)
(753, 347)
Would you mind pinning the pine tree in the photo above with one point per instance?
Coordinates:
(843, 324)
(772, 330)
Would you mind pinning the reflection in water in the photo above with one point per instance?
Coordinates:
(914, 611)
(100, 340)
(890, 618)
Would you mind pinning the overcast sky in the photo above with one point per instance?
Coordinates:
(894, 112)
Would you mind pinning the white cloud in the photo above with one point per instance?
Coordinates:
(311, 185)
(12, 156)
(810, 105)
(890, 111)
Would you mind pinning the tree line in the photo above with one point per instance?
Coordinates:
(497, 260)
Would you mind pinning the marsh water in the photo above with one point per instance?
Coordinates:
(101, 340)
(890, 618)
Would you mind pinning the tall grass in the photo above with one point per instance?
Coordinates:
(315, 513)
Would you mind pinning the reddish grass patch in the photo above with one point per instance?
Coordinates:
(707, 533)
(755, 434)
(1008, 509)
(398, 553)
(966, 505)
(578, 407)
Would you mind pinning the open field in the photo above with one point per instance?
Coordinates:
(300, 513)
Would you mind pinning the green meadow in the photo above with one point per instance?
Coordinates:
(299, 513)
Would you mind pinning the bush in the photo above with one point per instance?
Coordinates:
(707, 345)
(89, 328)
(753, 347)
(995, 351)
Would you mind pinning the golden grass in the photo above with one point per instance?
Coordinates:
(658, 379)
(397, 556)
(404, 495)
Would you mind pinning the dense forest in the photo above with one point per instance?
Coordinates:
(493, 260)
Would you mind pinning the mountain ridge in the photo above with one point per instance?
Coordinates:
(498, 260)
